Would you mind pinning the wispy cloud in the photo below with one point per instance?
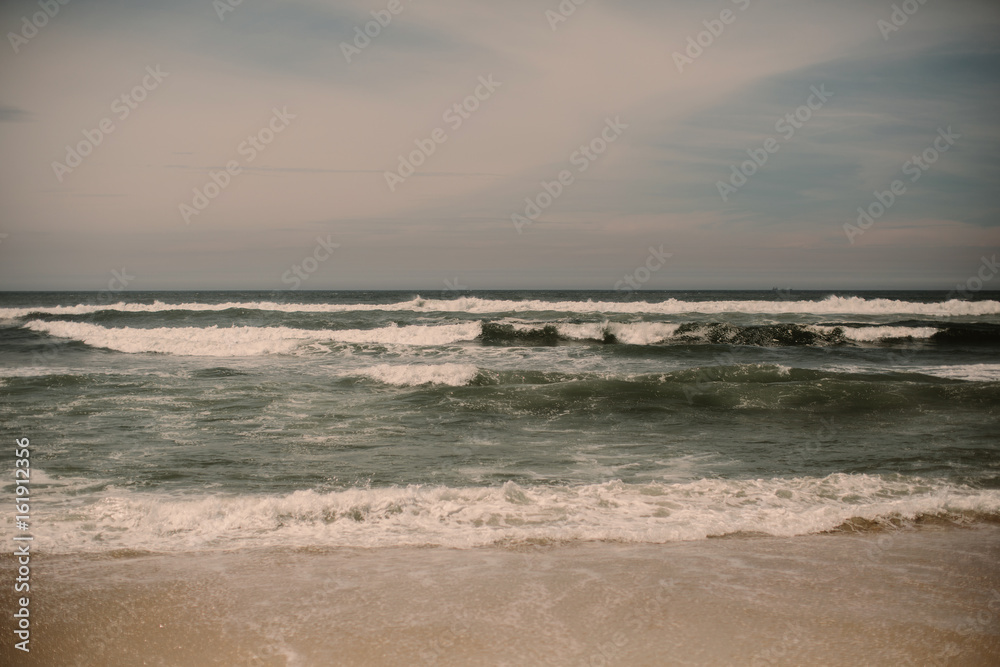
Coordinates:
(354, 121)
(9, 114)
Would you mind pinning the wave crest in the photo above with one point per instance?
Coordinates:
(832, 305)
(412, 375)
(512, 513)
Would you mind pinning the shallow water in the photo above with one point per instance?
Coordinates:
(897, 597)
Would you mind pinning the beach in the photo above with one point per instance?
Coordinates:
(928, 596)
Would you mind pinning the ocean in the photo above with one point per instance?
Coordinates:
(409, 429)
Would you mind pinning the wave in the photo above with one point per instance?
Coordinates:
(253, 341)
(44, 371)
(967, 372)
(207, 341)
(722, 333)
(217, 341)
(969, 334)
(476, 516)
(878, 334)
(833, 305)
(629, 333)
(761, 335)
(411, 375)
(460, 375)
(416, 334)
(758, 388)
(721, 384)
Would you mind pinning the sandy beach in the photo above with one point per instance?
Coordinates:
(929, 596)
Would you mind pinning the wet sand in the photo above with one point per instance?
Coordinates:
(914, 597)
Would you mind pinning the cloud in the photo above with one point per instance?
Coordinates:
(353, 122)
(9, 114)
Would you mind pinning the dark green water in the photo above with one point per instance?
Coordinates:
(164, 421)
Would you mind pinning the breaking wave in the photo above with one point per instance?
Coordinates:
(470, 517)
(411, 375)
(833, 305)
(216, 341)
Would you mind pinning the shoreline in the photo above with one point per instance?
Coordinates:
(928, 596)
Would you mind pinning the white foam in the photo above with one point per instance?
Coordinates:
(208, 341)
(245, 341)
(443, 334)
(253, 341)
(631, 333)
(468, 517)
(874, 334)
(40, 371)
(833, 305)
(971, 372)
(411, 375)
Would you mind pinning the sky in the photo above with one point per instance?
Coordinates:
(255, 144)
